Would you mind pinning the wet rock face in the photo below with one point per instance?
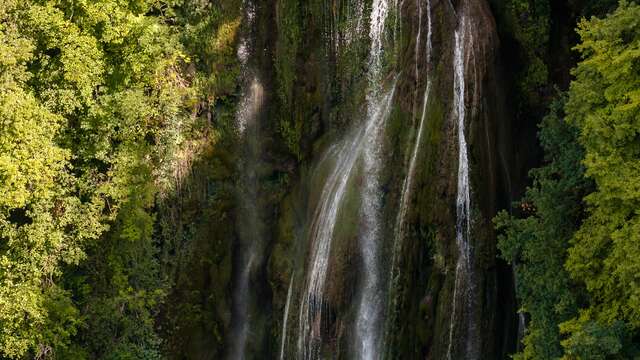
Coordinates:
(431, 253)
(312, 64)
(427, 260)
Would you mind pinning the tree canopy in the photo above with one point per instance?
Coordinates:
(95, 99)
(576, 248)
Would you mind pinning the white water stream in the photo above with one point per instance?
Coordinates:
(364, 144)
(464, 277)
(323, 226)
(285, 317)
(249, 226)
(369, 317)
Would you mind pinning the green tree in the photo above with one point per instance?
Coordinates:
(94, 101)
(536, 244)
(575, 249)
(604, 103)
(44, 216)
(528, 22)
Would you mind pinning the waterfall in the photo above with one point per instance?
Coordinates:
(377, 21)
(370, 305)
(364, 143)
(464, 277)
(249, 226)
(463, 201)
(522, 321)
(323, 226)
(285, 317)
(429, 32)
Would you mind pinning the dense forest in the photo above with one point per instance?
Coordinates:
(367, 179)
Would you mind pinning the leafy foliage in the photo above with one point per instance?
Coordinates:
(575, 245)
(96, 100)
(605, 104)
(537, 244)
(528, 21)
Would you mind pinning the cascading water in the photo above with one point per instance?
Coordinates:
(464, 281)
(249, 225)
(370, 311)
(463, 201)
(323, 226)
(249, 233)
(365, 144)
(285, 317)
(377, 20)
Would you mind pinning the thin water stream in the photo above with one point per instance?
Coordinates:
(322, 229)
(371, 305)
(286, 317)
(249, 225)
(363, 146)
(464, 287)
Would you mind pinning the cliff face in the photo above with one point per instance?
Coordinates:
(460, 316)
(314, 59)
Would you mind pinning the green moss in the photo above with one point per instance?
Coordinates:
(289, 37)
(428, 168)
(281, 262)
(346, 228)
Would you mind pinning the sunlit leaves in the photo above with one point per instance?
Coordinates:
(89, 93)
(604, 104)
